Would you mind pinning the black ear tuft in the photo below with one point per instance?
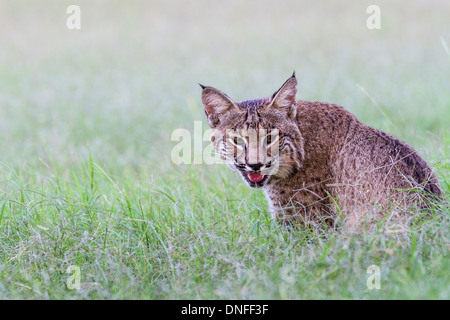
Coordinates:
(203, 87)
(293, 75)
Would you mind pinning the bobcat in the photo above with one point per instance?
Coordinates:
(314, 160)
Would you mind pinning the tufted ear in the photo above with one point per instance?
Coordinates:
(284, 98)
(216, 103)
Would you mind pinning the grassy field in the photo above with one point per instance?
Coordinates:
(86, 118)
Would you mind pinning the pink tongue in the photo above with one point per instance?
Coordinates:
(255, 177)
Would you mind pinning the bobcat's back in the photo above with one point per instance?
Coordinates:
(358, 164)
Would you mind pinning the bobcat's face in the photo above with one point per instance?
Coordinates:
(258, 138)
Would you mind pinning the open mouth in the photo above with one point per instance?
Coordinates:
(255, 179)
(255, 176)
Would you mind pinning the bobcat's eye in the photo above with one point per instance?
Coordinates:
(238, 141)
(269, 139)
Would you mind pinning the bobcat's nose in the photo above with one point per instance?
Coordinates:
(255, 166)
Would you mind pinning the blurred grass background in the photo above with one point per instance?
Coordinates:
(129, 77)
(117, 88)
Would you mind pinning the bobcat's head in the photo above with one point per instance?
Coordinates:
(258, 138)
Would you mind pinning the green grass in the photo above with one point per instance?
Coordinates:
(85, 172)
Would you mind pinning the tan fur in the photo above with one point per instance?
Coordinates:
(329, 162)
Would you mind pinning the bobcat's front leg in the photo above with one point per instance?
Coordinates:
(305, 207)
